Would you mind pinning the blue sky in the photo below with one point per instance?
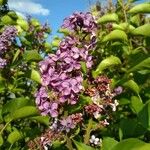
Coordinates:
(53, 11)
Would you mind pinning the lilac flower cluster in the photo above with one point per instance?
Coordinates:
(80, 21)
(61, 72)
(6, 39)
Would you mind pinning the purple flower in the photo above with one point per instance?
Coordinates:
(45, 105)
(7, 37)
(3, 63)
(67, 124)
(80, 20)
(118, 90)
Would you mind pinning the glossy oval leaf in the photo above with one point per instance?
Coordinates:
(131, 144)
(106, 63)
(23, 112)
(142, 30)
(23, 24)
(7, 20)
(82, 146)
(1, 140)
(140, 8)
(41, 119)
(108, 143)
(132, 85)
(113, 17)
(15, 104)
(32, 55)
(34, 75)
(144, 116)
(14, 137)
(143, 65)
(136, 104)
(115, 35)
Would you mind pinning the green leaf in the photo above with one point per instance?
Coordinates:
(131, 144)
(106, 63)
(143, 65)
(23, 24)
(136, 103)
(83, 67)
(16, 55)
(32, 55)
(108, 143)
(142, 30)
(23, 112)
(64, 31)
(1, 140)
(115, 35)
(132, 85)
(82, 146)
(113, 17)
(131, 128)
(135, 20)
(7, 20)
(15, 104)
(124, 26)
(35, 22)
(2, 2)
(12, 14)
(144, 116)
(41, 119)
(140, 8)
(34, 75)
(14, 137)
(55, 42)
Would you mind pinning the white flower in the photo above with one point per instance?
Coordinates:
(96, 115)
(94, 140)
(114, 106)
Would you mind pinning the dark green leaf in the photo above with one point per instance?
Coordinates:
(143, 65)
(41, 119)
(24, 112)
(15, 104)
(144, 116)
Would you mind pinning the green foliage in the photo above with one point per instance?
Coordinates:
(81, 146)
(122, 53)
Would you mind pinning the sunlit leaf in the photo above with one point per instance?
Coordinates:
(115, 35)
(142, 30)
(106, 63)
(113, 17)
(140, 8)
(131, 144)
(108, 143)
(82, 146)
(14, 137)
